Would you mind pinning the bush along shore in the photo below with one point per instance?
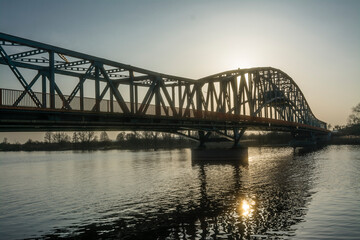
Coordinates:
(60, 141)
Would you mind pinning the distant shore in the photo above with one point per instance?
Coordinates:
(91, 146)
(159, 144)
(345, 140)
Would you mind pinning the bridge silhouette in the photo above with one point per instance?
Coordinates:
(64, 90)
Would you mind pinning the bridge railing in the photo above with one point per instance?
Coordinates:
(8, 97)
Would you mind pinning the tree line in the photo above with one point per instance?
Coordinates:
(352, 128)
(89, 140)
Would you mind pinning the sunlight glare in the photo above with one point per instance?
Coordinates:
(246, 207)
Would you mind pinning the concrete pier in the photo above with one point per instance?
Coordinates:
(235, 155)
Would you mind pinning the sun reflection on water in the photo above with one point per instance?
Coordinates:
(247, 207)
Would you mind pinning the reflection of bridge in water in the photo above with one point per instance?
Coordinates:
(267, 199)
(76, 91)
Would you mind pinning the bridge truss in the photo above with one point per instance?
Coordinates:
(82, 92)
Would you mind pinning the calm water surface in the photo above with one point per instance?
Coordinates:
(167, 195)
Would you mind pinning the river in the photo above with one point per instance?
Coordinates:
(165, 194)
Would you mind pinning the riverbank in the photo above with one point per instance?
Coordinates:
(345, 140)
(158, 144)
(91, 146)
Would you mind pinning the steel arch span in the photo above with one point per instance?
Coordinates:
(64, 90)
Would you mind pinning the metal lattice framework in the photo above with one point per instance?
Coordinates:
(130, 98)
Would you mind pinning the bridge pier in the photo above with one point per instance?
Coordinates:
(203, 138)
(235, 138)
(237, 135)
(308, 139)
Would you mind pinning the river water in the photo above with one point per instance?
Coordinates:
(165, 194)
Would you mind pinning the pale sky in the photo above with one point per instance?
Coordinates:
(317, 43)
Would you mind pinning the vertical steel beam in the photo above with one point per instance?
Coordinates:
(97, 88)
(228, 96)
(52, 79)
(211, 88)
(111, 102)
(180, 100)
(131, 88)
(249, 87)
(207, 98)
(81, 80)
(136, 99)
(43, 76)
(235, 96)
(199, 101)
(173, 94)
(223, 96)
(157, 98)
(81, 89)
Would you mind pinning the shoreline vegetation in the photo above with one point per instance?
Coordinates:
(60, 141)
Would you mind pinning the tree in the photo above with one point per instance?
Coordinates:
(166, 136)
(130, 136)
(147, 135)
(338, 127)
(48, 137)
(75, 137)
(86, 137)
(60, 137)
(155, 135)
(104, 137)
(354, 117)
(120, 137)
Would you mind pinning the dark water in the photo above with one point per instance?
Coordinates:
(166, 195)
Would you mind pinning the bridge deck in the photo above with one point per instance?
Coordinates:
(30, 118)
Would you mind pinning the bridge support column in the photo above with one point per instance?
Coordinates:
(303, 139)
(203, 138)
(237, 135)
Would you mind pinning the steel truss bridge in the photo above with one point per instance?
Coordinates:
(76, 91)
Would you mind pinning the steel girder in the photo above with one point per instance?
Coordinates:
(240, 98)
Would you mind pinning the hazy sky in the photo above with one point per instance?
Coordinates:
(317, 43)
